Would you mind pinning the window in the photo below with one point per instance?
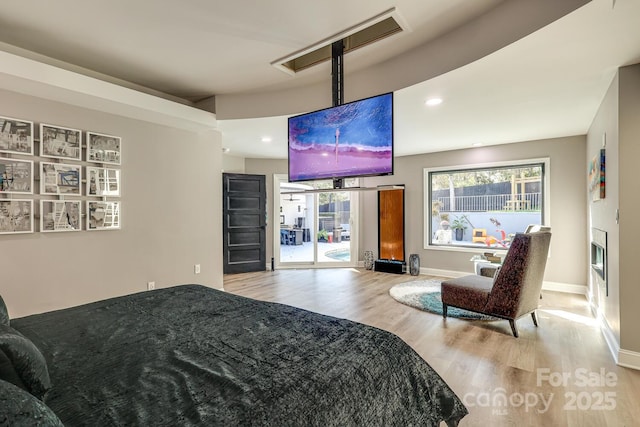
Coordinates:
(319, 228)
(484, 206)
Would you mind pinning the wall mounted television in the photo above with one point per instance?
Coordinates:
(350, 140)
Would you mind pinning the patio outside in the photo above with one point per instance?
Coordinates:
(327, 252)
(484, 208)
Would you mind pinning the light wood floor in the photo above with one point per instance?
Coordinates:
(481, 361)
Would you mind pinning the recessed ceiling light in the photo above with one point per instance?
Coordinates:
(477, 144)
(266, 139)
(431, 102)
(226, 150)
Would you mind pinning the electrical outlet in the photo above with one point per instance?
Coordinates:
(196, 269)
(151, 286)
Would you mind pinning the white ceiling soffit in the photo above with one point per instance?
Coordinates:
(398, 62)
(546, 85)
(38, 79)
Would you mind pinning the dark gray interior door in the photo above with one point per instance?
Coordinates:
(244, 222)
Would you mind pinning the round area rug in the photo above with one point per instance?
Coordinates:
(425, 295)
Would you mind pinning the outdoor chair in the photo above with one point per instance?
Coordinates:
(346, 231)
(490, 269)
(534, 228)
(479, 235)
(513, 292)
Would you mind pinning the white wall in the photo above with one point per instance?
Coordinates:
(602, 213)
(232, 164)
(268, 167)
(171, 216)
(618, 119)
(629, 134)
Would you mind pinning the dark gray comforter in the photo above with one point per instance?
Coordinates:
(192, 355)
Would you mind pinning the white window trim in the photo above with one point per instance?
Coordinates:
(314, 264)
(427, 205)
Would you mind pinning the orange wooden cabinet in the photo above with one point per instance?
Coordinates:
(391, 224)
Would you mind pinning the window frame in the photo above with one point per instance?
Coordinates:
(428, 232)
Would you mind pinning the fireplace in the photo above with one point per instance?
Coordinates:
(599, 257)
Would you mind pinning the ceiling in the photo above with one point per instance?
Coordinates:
(547, 81)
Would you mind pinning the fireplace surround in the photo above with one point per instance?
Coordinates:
(599, 257)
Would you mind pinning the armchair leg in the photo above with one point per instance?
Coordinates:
(535, 320)
(444, 310)
(513, 328)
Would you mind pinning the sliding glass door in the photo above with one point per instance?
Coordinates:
(316, 227)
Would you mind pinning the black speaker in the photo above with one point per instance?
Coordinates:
(390, 266)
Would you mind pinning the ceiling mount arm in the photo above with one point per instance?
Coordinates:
(337, 71)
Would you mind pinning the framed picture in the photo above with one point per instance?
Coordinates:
(16, 216)
(103, 182)
(59, 142)
(597, 176)
(60, 179)
(16, 176)
(103, 148)
(60, 215)
(16, 136)
(103, 215)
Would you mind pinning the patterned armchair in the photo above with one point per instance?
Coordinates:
(514, 292)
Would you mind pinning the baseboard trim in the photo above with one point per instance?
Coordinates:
(629, 359)
(568, 288)
(622, 357)
(609, 336)
(626, 358)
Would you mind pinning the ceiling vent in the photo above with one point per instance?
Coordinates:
(370, 31)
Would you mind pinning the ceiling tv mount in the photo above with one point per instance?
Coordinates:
(347, 140)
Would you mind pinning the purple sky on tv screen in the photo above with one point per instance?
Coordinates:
(353, 139)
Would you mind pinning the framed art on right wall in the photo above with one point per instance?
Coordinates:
(597, 176)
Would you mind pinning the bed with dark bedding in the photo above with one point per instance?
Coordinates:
(195, 356)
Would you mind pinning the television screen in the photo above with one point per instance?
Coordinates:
(350, 140)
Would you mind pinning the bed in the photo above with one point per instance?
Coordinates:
(190, 355)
